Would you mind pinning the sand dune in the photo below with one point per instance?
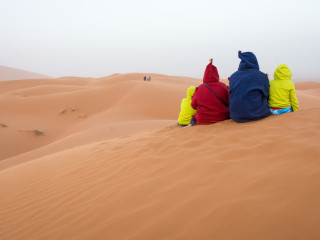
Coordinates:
(61, 107)
(8, 73)
(112, 164)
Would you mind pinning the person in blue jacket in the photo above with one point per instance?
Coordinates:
(249, 91)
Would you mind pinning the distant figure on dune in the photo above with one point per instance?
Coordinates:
(146, 79)
(283, 97)
(186, 111)
(211, 99)
(249, 90)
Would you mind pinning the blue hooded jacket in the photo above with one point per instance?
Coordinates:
(249, 91)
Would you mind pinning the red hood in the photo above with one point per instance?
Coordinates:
(211, 74)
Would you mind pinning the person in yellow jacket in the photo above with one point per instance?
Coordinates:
(186, 112)
(282, 97)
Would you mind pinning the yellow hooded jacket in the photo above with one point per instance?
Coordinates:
(282, 90)
(187, 111)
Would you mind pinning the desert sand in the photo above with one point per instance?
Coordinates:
(9, 73)
(102, 158)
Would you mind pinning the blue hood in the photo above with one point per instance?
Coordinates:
(248, 61)
(249, 91)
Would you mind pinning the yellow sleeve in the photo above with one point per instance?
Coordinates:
(293, 99)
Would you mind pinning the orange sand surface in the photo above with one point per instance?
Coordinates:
(87, 158)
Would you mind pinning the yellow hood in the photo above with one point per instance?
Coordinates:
(190, 91)
(282, 72)
(187, 111)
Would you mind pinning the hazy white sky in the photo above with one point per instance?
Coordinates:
(177, 37)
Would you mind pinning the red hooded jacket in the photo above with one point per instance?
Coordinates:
(209, 108)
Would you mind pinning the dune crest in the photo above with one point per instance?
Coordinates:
(67, 107)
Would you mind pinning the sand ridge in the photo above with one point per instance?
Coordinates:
(66, 106)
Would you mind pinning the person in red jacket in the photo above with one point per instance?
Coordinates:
(211, 99)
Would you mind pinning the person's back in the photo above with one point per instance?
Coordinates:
(249, 91)
(282, 91)
(210, 108)
(187, 111)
